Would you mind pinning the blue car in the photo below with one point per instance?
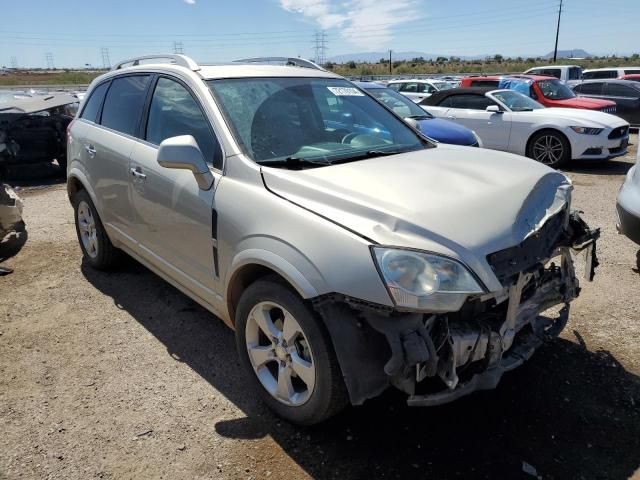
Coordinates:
(436, 128)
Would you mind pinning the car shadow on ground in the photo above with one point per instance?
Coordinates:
(612, 167)
(568, 413)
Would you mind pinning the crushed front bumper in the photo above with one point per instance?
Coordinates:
(438, 358)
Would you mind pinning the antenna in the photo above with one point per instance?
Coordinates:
(320, 47)
(104, 53)
(178, 47)
(49, 58)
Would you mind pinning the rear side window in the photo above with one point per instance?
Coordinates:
(174, 112)
(632, 71)
(395, 86)
(485, 83)
(600, 74)
(552, 72)
(575, 73)
(473, 102)
(590, 88)
(617, 90)
(92, 106)
(124, 102)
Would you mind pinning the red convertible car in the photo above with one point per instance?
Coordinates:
(549, 91)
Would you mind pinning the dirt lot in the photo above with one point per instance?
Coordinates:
(121, 376)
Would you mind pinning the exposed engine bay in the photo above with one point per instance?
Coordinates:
(437, 358)
(13, 233)
(33, 133)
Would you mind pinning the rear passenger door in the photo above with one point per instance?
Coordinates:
(627, 100)
(174, 218)
(107, 144)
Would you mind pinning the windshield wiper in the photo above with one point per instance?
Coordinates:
(420, 117)
(294, 163)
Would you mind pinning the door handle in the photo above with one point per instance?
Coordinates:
(91, 150)
(137, 173)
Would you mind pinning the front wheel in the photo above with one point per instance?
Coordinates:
(288, 354)
(551, 148)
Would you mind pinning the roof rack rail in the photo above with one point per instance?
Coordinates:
(290, 61)
(174, 59)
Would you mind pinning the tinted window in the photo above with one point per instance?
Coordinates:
(124, 102)
(485, 83)
(91, 107)
(600, 74)
(617, 90)
(174, 112)
(474, 102)
(632, 70)
(552, 72)
(589, 88)
(409, 88)
(395, 86)
(575, 73)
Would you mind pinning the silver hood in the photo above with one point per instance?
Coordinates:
(458, 201)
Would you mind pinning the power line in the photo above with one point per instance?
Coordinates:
(320, 47)
(104, 53)
(49, 58)
(178, 47)
(14, 62)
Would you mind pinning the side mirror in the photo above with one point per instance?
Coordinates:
(182, 152)
(493, 109)
(412, 122)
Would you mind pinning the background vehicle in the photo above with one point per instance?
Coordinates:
(628, 204)
(417, 90)
(436, 128)
(633, 76)
(567, 73)
(625, 93)
(548, 91)
(510, 121)
(346, 262)
(600, 73)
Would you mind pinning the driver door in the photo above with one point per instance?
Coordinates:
(173, 216)
(494, 128)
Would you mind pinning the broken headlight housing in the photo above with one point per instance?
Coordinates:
(425, 281)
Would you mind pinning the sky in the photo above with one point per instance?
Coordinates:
(77, 32)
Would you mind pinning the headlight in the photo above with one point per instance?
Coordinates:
(587, 130)
(425, 281)
(478, 139)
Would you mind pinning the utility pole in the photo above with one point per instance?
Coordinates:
(390, 64)
(14, 62)
(49, 58)
(178, 47)
(555, 50)
(320, 47)
(104, 53)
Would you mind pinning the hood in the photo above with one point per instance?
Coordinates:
(586, 117)
(582, 102)
(458, 201)
(447, 132)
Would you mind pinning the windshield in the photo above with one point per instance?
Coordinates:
(442, 85)
(313, 120)
(400, 104)
(516, 101)
(555, 90)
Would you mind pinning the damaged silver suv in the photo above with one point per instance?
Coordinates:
(348, 252)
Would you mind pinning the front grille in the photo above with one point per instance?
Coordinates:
(619, 132)
(507, 263)
(608, 109)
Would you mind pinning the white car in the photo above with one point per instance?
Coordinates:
(599, 73)
(628, 204)
(418, 90)
(510, 121)
(569, 74)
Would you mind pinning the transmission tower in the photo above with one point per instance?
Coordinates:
(178, 47)
(106, 62)
(49, 57)
(14, 62)
(320, 47)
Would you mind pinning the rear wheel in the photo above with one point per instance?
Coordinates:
(550, 147)
(288, 354)
(96, 247)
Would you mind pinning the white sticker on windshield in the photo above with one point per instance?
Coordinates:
(346, 92)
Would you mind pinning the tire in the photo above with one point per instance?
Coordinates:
(308, 399)
(549, 147)
(97, 249)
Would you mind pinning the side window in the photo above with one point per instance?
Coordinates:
(535, 71)
(617, 90)
(575, 73)
(473, 102)
(429, 88)
(173, 111)
(124, 102)
(409, 87)
(632, 71)
(552, 72)
(448, 102)
(92, 105)
(485, 83)
(421, 87)
(395, 86)
(591, 88)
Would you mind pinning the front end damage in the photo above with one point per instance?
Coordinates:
(437, 358)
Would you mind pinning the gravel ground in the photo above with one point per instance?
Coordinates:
(121, 376)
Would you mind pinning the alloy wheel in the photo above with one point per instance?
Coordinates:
(280, 353)
(87, 227)
(548, 149)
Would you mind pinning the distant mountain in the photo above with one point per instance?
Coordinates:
(576, 53)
